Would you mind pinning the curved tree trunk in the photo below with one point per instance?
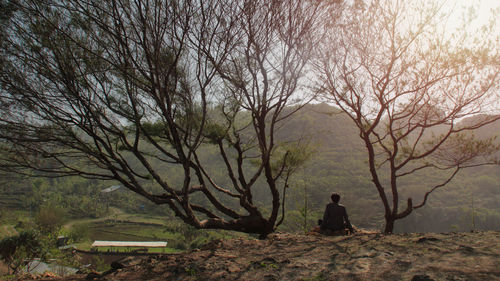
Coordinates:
(389, 225)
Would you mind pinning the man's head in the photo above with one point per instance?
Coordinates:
(335, 197)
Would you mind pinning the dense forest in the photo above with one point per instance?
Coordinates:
(336, 163)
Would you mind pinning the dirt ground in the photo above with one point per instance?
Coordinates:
(369, 256)
(4, 270)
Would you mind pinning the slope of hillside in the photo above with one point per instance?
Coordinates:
(369, 256)
(470, 202)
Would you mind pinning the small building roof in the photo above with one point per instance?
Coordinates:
(150, 244)
(111, 189)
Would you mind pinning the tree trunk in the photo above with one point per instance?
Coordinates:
(389, 225)
(263, 235)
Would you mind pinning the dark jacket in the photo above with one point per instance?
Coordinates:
(335, 217)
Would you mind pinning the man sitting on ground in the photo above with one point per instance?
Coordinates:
(335, 219)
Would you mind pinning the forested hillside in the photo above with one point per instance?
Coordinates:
(470, 201)
(337, 163)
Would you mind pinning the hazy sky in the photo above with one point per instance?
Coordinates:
(484, 11)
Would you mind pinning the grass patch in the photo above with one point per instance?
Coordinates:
(15, 216)
(7, 230)
(129, 232)
(120, 226)
(145, 230)
(142, 218)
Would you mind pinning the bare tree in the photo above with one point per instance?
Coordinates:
(124, 90)
(406, 81)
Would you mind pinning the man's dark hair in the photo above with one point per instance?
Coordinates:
(335, 197)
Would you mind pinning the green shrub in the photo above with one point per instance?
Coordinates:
(19, 250)
(79, 232)
(50, 218)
